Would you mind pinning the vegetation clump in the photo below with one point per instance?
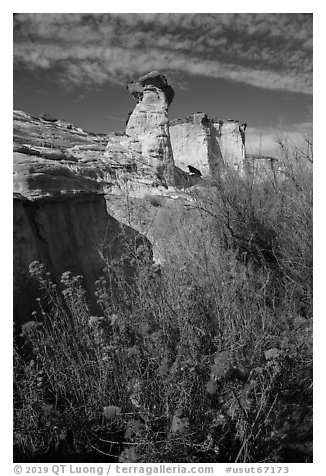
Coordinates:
(207, 358)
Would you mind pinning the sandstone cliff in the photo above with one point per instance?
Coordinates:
(60, 215)
(210, 145)
(261, 167)
(148, 126)
(231, 140)
(194, 142)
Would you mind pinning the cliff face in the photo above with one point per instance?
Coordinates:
(148, 126)
(230, 137)
(60, 215)
(207, 144)
(260, 167)
(195, 142)
(76, 191)
(64, 234)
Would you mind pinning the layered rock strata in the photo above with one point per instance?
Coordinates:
(60, 214)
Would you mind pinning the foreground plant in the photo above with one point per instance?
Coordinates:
(205, 359)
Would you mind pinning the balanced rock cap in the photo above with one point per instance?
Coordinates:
(154, 78)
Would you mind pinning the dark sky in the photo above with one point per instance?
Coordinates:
(253, 67)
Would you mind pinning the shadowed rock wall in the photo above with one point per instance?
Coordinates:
(64, 234)
(60, 215)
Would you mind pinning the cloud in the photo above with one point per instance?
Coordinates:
(265, 141)
(271, 51)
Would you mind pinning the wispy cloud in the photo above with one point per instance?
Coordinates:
(272, 51)
(266, 140)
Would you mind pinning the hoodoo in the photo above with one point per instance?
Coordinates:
(148, 125)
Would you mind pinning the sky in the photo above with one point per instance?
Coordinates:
(254, 67)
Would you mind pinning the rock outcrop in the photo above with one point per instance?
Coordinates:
(147, 129)
(195, 143)
(76, 192)
(261, 167)
(60, 214)
(231, 139)
(207, 144)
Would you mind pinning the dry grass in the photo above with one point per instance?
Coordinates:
(207, 359)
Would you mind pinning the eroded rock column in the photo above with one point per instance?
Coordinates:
(148, 125)
(195, 142)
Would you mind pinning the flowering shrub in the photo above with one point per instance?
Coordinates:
(205, 359)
